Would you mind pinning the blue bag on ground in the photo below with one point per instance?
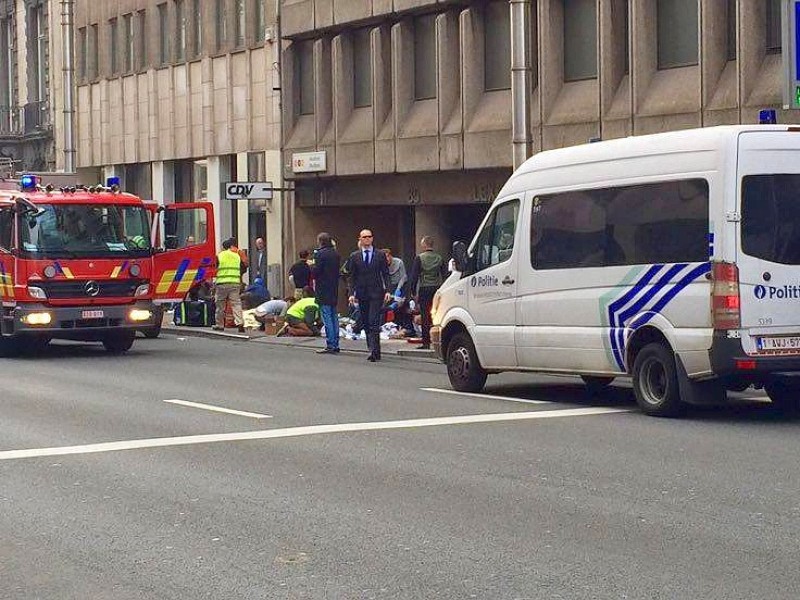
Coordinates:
(194, 313)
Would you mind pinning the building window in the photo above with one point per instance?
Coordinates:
(93, 60)
(127, 31)
(362, 68)
(677, 33)
(730, 17)
(580, 39)
(258, 21)
(141, 21)
(304, 75)
(114, 43)
(197, 19)
(163, 35)
(497, 47)
(8, 83)
(180, 31)
(425, 57)
(38, 65)
(241, 23)
(82, 53)
(774, 33)
(221, 20)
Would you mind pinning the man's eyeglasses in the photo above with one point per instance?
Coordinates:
(365, 236)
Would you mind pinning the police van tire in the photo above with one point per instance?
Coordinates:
(785, 398)
(463, 367)
(595, 385)
(118, 343)
(655, 381)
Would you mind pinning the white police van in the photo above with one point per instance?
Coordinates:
(671, 258)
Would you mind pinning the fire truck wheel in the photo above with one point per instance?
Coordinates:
(152, 332)
(119, 342)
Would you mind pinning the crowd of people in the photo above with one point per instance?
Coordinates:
(379, 288)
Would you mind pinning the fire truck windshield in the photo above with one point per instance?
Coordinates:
(85, 230)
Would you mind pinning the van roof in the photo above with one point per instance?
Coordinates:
(685, 140)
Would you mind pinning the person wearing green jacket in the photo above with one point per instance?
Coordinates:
(427, 273)
(228, 288)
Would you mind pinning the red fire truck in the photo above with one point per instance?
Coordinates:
(92, 263)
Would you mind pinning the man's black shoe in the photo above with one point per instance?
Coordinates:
(424, 347)
(371, 358)
(218, 328)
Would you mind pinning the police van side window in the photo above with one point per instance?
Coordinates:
(771, 218)
(665, 222)
(496, 241)
(6, 229)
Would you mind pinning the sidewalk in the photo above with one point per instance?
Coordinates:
(388, 347)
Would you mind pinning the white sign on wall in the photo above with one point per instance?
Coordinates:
(309, 162)
(243, 190)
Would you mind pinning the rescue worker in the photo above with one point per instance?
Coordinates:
(302, 318)
(229, 281)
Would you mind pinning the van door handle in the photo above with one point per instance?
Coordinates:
(508, 281)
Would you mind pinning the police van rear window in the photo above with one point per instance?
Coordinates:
(771, 217)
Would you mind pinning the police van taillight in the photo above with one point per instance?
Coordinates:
(725, 302)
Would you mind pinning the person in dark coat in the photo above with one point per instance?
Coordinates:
(368, 271)
(327, 265)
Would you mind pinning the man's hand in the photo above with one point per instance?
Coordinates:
(351, 300)
(387, 296)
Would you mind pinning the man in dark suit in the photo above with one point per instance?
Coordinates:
(259, 258)
(327, 265)
(369, 273)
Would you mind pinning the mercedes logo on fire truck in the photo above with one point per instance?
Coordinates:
(92, 288)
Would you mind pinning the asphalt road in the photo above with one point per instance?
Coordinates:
(349, 480)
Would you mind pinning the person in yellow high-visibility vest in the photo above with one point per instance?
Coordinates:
(229, 281)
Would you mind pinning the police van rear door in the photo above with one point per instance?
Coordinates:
(768, 240)
(187, 252)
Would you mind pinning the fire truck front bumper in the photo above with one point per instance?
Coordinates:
(78, 322)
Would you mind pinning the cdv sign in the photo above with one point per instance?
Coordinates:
(236, 190)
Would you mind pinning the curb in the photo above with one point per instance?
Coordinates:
(413, 354)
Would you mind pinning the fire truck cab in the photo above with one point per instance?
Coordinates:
(94, 263)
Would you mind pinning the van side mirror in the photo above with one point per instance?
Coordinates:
(460, 257)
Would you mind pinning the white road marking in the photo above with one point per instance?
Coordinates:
(302, 431)
(485, 396)
(230, 411)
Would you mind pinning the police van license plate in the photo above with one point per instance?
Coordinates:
(92, 314)
(778, 343)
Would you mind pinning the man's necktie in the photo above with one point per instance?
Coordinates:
(366, 257)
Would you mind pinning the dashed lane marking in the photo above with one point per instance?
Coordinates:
(230, 411)
(303, 431)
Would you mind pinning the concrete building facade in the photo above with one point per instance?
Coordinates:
(179, 97)
(411, 101)
(31, 91)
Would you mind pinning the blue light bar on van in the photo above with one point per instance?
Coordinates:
(767, 116)
(28, 182)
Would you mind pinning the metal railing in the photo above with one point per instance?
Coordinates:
(10, 121)
(36, 117)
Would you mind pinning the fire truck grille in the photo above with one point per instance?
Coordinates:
(89, 288)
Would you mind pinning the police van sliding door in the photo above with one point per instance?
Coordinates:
(768, 244)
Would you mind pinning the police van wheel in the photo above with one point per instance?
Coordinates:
(119, 342)
(655, 381)
(463, 367)
(595, 385)
(785, 398)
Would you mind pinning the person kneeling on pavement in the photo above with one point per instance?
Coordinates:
(303, 317)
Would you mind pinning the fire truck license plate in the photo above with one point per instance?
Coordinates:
(92, 314)
(778, 343)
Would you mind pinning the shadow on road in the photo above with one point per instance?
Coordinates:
(738, 409)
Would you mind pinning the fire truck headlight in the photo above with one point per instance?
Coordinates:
(142, 290)
(140, 314)
(39, 318)
(36, 292)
